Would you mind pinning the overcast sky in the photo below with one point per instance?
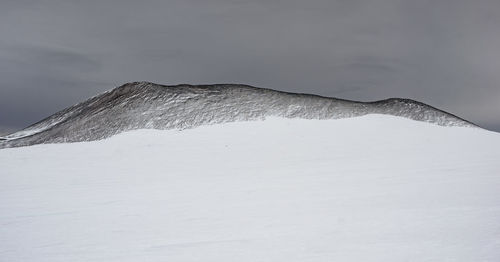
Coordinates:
(444, 53)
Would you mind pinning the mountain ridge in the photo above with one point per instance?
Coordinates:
(138, 105)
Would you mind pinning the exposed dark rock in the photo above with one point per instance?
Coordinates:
(146, 105)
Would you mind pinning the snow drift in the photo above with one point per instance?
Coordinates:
(142, 105)
(370, 188)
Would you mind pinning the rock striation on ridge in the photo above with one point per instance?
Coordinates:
(142, 105)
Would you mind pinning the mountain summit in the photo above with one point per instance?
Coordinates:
(144, 105)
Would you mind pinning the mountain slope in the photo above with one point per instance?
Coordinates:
(142, 105)
(370, 188)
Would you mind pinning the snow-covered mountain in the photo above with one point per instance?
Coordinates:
(310, 182)
(143, 105)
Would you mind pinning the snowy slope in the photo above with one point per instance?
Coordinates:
(143, 105)
(371, 188)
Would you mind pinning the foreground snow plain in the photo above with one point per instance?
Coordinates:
(371, 188)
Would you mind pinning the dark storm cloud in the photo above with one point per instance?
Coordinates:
(36, 80)
(445, 53)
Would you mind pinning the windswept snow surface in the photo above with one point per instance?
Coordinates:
(371, 188)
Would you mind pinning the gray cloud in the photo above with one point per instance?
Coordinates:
(445, 53)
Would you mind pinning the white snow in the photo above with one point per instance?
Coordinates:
(372, 188)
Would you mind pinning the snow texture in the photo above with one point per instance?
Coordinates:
(143, 105)
(371, 188)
